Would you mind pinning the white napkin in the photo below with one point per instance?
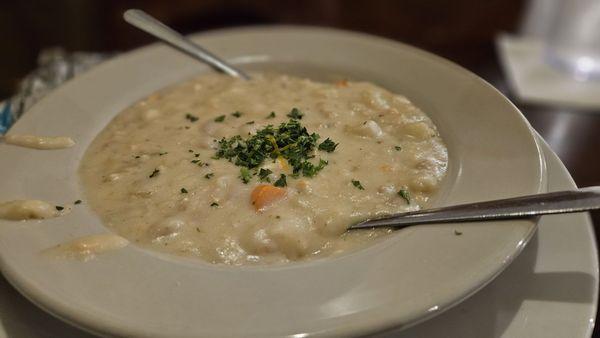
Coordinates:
(532, 80)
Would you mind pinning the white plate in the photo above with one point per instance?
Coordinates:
(412, 275)
(550, 290)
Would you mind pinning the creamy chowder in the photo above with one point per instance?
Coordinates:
(21, 210)
(268, 170)
(39, 142)
(87, 247)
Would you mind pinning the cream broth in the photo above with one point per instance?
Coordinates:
(153, 177)
(87, 247)
(20, 210)
(39, 142)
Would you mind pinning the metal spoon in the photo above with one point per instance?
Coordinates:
(149, 24)
(518, 207)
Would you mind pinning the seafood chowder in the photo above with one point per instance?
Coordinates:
(269, 170)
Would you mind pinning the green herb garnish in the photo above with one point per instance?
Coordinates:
(281, 181)
(398, 148)
(310, 170)
(271, 116)
(191, 117)
(250, 122)
(59, 208)
(163, 153)
(295, 113)
(457, 233)
(263, 175)
(214, 204)
(328, 145)
(220, 118)
(154, 173)
(245, 175)
(357, 184)
(236, 114)
(77, 202)
(290, 141)
(209, 175)
(405, 194)
(184, 191)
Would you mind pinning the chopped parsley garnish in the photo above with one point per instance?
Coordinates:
(398, 148)
(220, 118)
(310, 170)
(295, 113)
(281, 181)
(59, 208)
(137, 156)
(245, 175)
(190, 151)
(196, 155)
(357, 184)
(77, 202)
(214, 204)
(271, 116)
(328, 145)
(184, 191)
(263, 175)
(199, 163)
(154, 173)
(163, 153)
(191, 117)
(209, 175)
(289, 141)
(457, 233)
(405, 194)
(250, 122)
(236, 114)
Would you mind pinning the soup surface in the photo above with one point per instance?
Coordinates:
(263, 171)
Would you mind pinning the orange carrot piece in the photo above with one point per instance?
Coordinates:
(264, 195)
(342, 83)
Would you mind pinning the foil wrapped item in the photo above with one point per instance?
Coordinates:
(55, 66)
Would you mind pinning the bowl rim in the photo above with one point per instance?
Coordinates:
(92, 324)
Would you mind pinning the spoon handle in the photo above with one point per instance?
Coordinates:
(149, 24)
(518, 207)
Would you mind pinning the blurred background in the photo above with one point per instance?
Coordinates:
(461, 30)
(464, 31)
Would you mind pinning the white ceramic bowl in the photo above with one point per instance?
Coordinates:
(410, 276)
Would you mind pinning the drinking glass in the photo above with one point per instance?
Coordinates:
(573, 39)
